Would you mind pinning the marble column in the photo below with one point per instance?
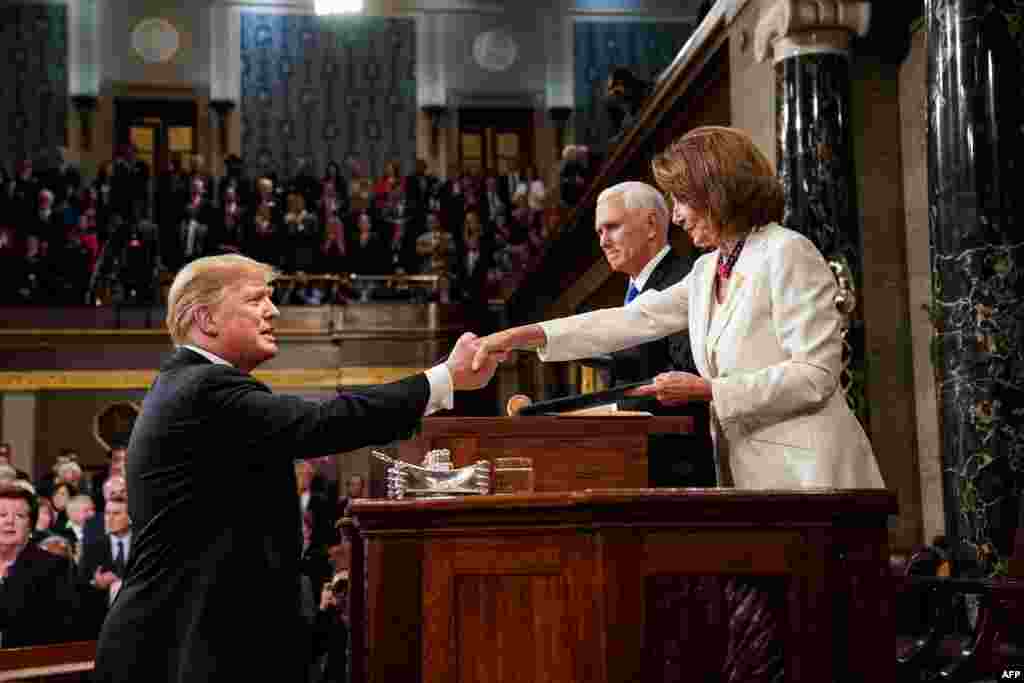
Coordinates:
(809, 41)
(976, 212)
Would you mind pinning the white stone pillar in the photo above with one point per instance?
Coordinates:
(19, 427)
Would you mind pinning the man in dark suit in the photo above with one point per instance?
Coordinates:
(104, 558)
(212, 591)
(632, 225)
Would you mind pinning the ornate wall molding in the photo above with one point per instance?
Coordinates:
(71, 380)
(789, 28)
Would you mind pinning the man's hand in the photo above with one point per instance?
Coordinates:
(103, 579)
(466, 375)
(496, 347)
(675, 388)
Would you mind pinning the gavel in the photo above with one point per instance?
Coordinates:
(516, 403)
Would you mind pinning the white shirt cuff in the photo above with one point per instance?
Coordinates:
(442, 391)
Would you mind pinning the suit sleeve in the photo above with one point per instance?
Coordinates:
(301, 428)
(803, 312)
(652, 315)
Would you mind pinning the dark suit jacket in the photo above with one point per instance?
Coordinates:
(39, 602)
(95, 602)
(663, 355)
(211, 590)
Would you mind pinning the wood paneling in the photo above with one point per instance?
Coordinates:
(651, 585)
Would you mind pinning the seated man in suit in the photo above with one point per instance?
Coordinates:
(103, 562)
(632, 226)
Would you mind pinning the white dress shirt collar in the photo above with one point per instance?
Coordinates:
(644, 275)
(212, 357)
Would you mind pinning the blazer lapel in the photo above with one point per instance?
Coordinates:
(702, 315)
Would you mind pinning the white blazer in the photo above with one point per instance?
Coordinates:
(779, 416)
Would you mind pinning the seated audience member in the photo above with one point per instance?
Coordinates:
(360, 185)
(7, 458)
(118, 456)
(389, 186)
(39, 602)
(368, 255)
(314, 562)
(473, 261)
(571, 177)
(331, 627)
(44, 520)
(71, 473)
(79, 509)
(537, 193)
(72, 260)
(355, 488)
(25, 193)
(103, 561)
(334, 199)
(304, 182)
(436, 248)
(401, 242)
(193, 231)
(334, 256)
(228, 228)
(62, 492)
(115, 486)
(45, 484)
(262, 236)
(302, 236)
(316, 504)
(47, 223)
(495, 202)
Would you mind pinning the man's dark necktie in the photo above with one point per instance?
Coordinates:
(119, 559)
(631, 293)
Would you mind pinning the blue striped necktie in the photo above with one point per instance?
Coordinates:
(631, 293)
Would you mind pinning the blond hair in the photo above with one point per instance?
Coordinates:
(202, 283)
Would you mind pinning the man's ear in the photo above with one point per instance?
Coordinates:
(205, 321)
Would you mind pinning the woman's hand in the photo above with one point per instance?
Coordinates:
(675, 388)
(499, 344)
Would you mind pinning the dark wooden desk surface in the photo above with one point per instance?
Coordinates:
(628, 585)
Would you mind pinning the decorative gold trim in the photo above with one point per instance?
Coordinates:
(70, 380)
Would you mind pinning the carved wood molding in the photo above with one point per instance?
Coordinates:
(792, 27)
(71, 380)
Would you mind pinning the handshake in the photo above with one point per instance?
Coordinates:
(474, 359)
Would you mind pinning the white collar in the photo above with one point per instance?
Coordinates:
(212, 357)
(645, 274)
(126, 538)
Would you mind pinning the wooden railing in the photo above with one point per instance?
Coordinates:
(49, 663)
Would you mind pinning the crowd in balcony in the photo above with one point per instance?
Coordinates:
(67, 240)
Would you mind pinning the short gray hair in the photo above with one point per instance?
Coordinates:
(637, 195)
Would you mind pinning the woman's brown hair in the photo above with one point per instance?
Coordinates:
(719, 171)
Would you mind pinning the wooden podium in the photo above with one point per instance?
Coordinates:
(625, 585)
(569, 453)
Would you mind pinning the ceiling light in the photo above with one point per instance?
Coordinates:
(323, 7)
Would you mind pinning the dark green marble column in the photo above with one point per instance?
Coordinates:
(975, 166)
(815, 165)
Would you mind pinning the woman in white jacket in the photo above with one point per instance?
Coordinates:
(764, 329)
